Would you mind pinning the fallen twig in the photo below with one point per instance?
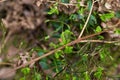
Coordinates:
(100, 41)
(87, 20)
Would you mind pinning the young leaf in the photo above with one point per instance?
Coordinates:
(58, 54)
(86, 76)
(117, 31)
(65, 36)
(98, 29)
(68, 49)
(107, 16)
(98, 73)
(54, 9)
(117, 14)
(92, 20)
(25, 71)
(103, 54)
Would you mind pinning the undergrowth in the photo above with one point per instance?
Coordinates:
(91, 59)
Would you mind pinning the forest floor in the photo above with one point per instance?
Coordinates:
(59, 39)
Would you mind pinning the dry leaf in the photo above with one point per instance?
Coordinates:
(67, 8)
(108, 6)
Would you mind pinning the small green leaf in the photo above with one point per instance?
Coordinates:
(100, 37)
(107, 16)
(92, 20)
(40, 53)
(98, 73)
(54, 9)
(47, 37)
(58, 54)
(85, 57)
(65, 1)
(73, 17)
(37, 76)
(86, 76)
(81, 11)
(53, 45)
(98, 29)
(117, 31)
(65, 36)
(117, 14)
(23, 78)
(25, 71)
(74, 78)
(47, 20)
(68, 49)
(89, 4)
(103, 54)
(43, 64)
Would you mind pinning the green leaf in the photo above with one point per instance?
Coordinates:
(73, 17)
(53, 45)
(103, 54)
(117, 14)
(58, 54)
(92, 20)
(86, 76)
(89, 4)
(65, 1)
(74, 78)
(40, 53)
(100, 37)
(43, 64)
(47, 37)
(85, 57)
(68, 49)
(98, 73)
(117, 31)
(81, 11)
(98, 29)
(37, 76)
(23, 78)
(67, 76)
(66, 36)
(25, 71)
(54, 9)
(47, 20)
(105, 17)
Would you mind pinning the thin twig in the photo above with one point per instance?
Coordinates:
(87, 20)
(100, 41)
(3, 63)
(64, 3)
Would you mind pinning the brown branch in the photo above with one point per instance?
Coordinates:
(4, 63)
